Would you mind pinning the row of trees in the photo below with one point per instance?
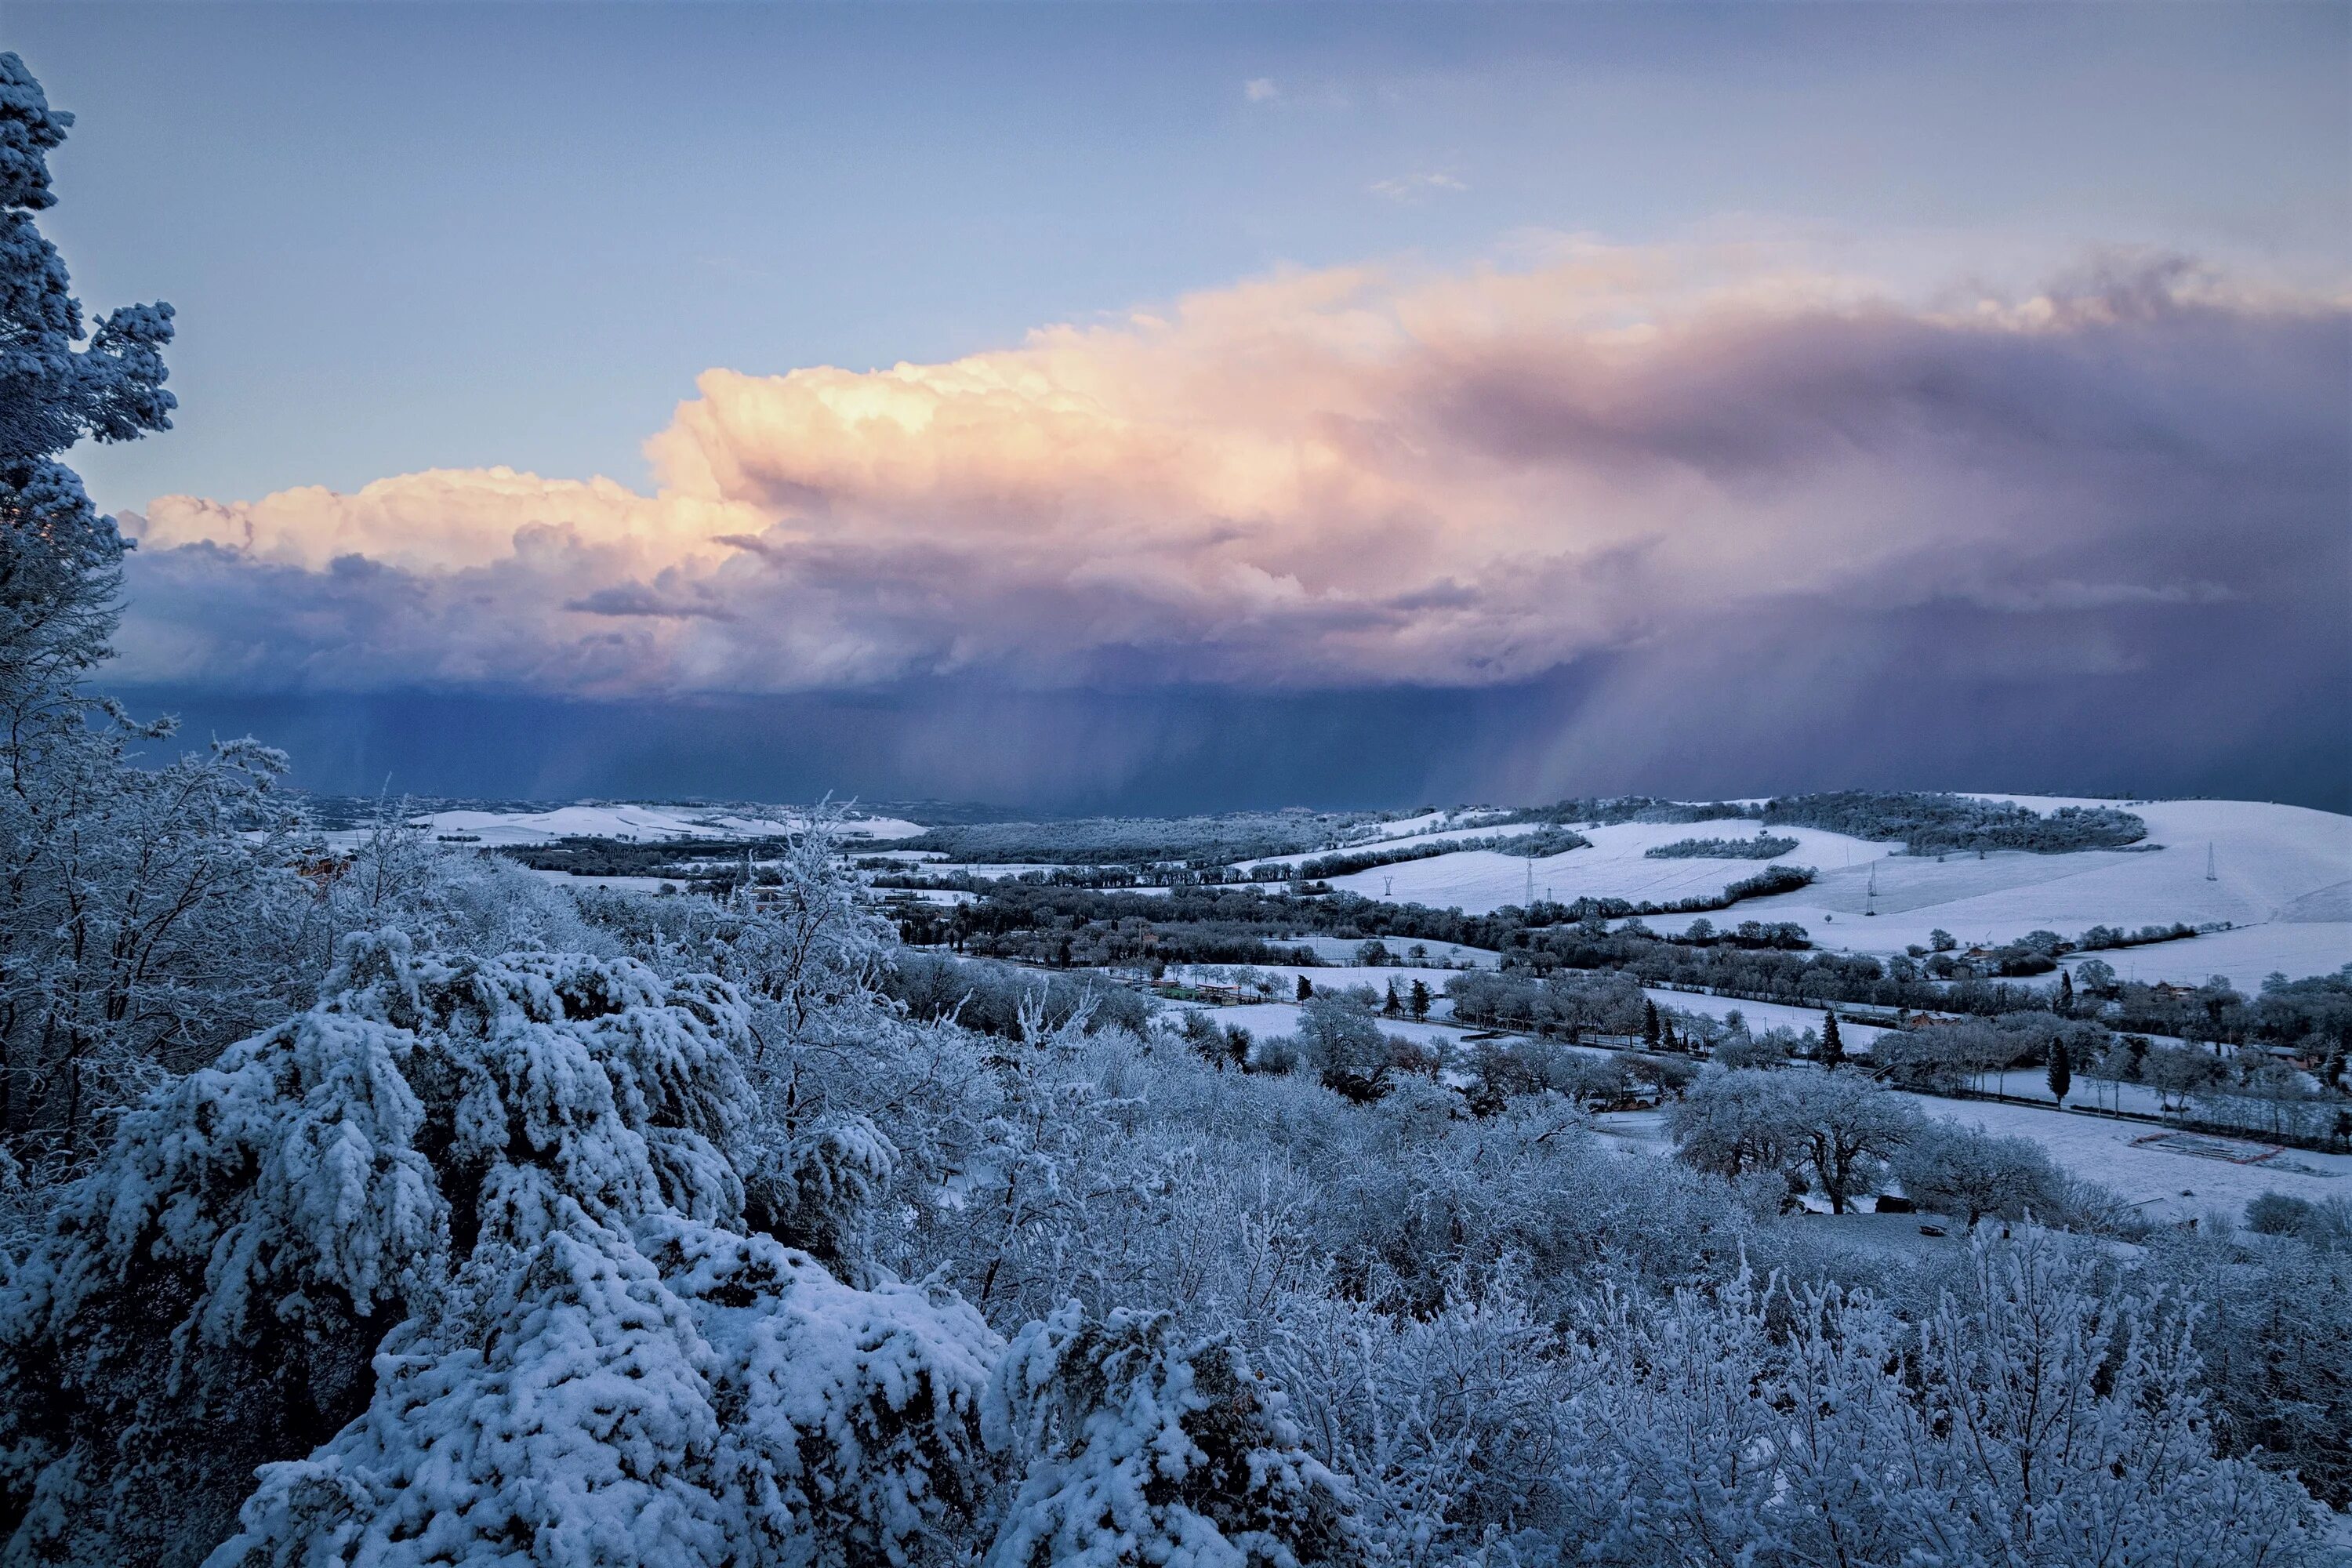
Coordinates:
(1925, 822)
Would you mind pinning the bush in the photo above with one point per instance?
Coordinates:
(987, 996)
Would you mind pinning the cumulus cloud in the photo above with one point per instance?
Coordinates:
(1348, 478)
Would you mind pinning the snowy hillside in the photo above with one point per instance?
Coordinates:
(1617, 866)
(2281, 874)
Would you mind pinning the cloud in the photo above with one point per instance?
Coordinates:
(1415, 188)
(1727, 484)
(1260, 90)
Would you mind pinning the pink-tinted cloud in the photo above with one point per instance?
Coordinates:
(1344, 478)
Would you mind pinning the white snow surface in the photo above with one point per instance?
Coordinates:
(1762, 1016)
(1340, 951)
(2282, 875)
(2243, 956)
(1616, 866)
(2167, 1185)
(2172, 1186)
(1269, 1020)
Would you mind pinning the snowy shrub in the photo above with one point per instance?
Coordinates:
(814, 1192)
(2039, 1418)
(988, 997)
(1447, 1425)
(1142, 1448)
(2273, 1312)
(681, 1396)
(522, 1170)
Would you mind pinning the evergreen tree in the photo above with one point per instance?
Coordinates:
(1394, 1006)
(1649, 1024)
(1832, 1044)
(1305, 988)
(2062, 1071)
(2066, 994)
(1420, 1000)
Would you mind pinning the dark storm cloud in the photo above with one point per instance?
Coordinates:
(1642, 533)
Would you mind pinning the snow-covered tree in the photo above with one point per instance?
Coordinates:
(1950, 1169)
(1141, 1447)
(2039, 1415)
(60, 382)
(487, 1212)
(141, 910)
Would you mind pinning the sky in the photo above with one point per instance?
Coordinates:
(1183, 407)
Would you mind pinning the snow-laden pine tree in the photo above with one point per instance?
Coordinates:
(458, 1257)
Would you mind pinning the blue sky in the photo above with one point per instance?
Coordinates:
(403, 236)
(1645, 373)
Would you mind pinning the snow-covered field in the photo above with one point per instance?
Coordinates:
(2166, 1183)
(1615, 867)
(2170, 1186)
(1269, 1020)
(1341, 951)
(1762, 1016)
(2244, 955)
(2275, 868)
(2034, 1083)
(1337, 978)
(624, 884)
(641, 823)
(2283, 873)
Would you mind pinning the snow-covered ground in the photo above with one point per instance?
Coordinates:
(1615, 867)
(2244, 955)
(625, 884)
(2169, 1184)
(1341, 951)
(1762, 1016)
(2283, 873)
(641, 823)
(2280, 869)
(1269, 1020)
(2034, 1083)
(1337, 978)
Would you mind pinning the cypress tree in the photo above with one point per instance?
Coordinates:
(2066, 994)
(1649, 1024)
(1833, 1047)
(2062, 1071)
(1305, 988)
